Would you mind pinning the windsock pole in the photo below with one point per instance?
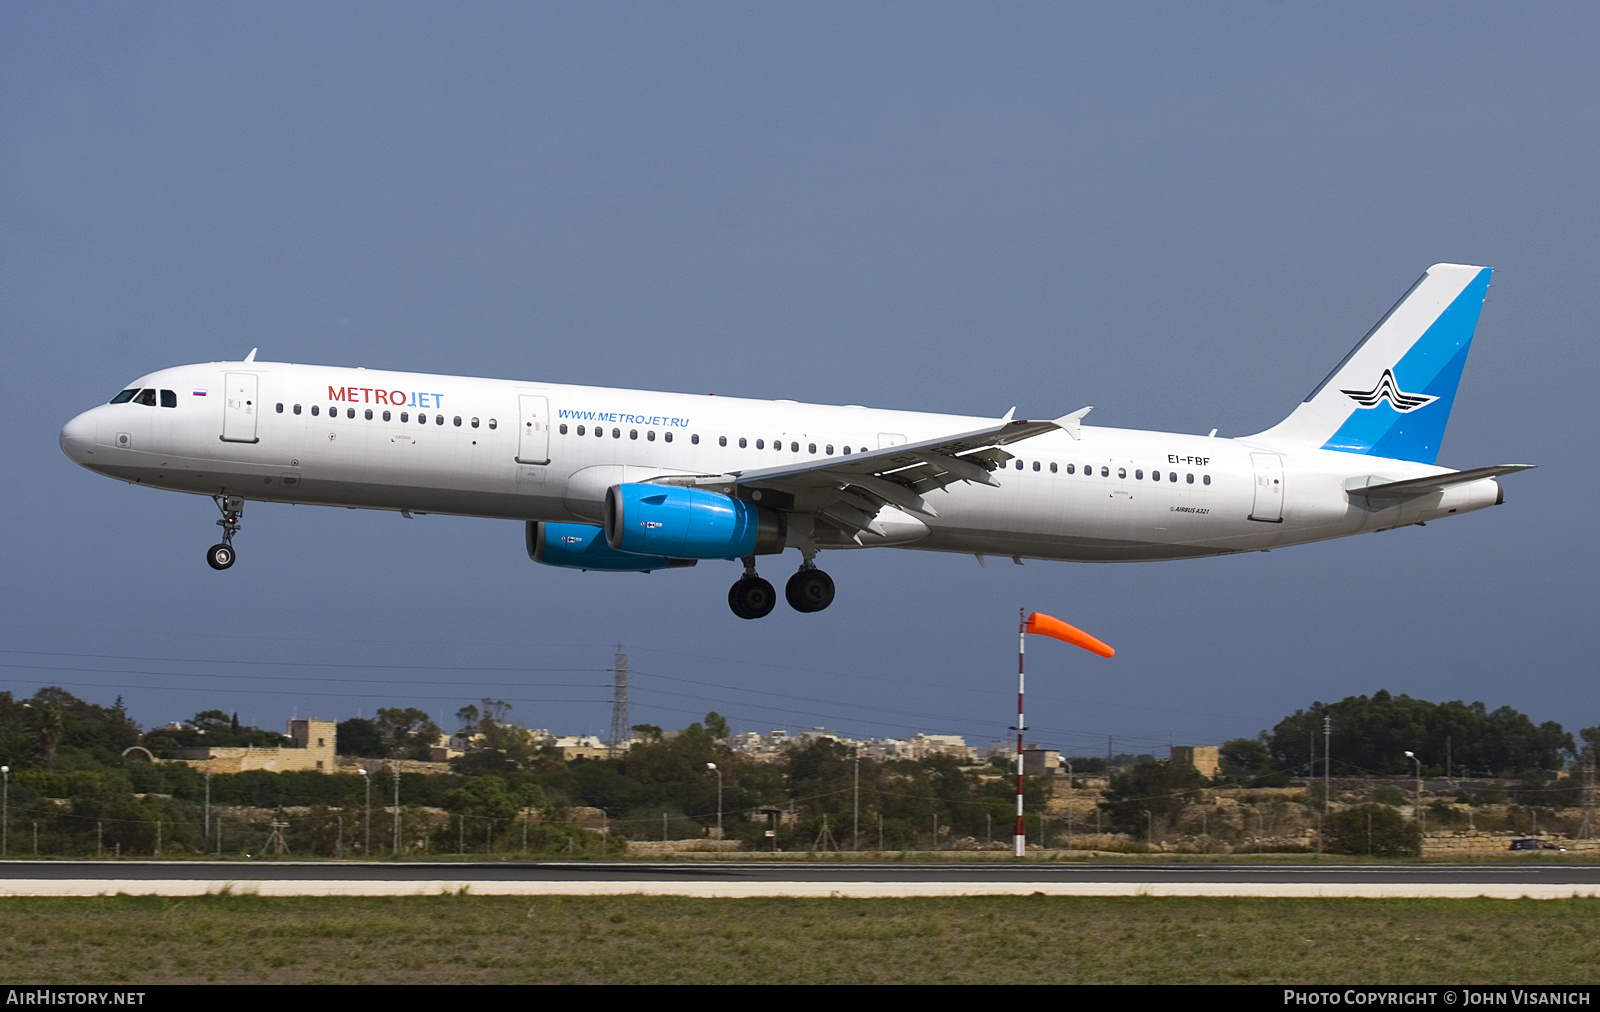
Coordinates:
(1042, 625)
(1019, 835)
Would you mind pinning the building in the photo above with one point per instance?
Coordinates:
(313, 749)
(1201, 757)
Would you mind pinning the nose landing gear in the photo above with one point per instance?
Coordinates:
(221, 556)
(751, 597)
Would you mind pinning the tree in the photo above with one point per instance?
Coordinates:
(1378, 830)
(1160, 788)
(1247, 761)
(359, 736)
(717, 727)
(407, 733)
(1371, 735)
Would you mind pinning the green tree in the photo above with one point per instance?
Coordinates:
(1248, 761)
(407, 733)
(359, 736)
(1161, 789)
(1378, 830)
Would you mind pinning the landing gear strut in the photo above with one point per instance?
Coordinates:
(751, 597)
(810, 589)
(221, 556)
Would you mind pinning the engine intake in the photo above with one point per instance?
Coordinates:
(690, 523)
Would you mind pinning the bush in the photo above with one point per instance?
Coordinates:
(1376, 830)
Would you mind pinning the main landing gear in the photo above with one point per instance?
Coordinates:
(221, 556)
(808, 590)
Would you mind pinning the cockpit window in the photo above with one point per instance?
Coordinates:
(146, 397)
(125, 396)
(169, 398)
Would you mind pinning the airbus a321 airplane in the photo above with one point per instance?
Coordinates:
(634, 481)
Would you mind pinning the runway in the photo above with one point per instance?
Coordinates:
(733, 879)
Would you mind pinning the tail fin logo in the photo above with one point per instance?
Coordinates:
(1388, 390)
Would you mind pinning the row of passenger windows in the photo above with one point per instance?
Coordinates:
(405, 416)
(1122, 472)
(650, 437)
(827, 450)
(147, 397)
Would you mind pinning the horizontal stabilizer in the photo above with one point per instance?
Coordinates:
(1413, 487)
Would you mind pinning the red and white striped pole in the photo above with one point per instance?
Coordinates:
(1019, 835)
(1041, 624)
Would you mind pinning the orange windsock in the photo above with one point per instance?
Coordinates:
(1041, 624)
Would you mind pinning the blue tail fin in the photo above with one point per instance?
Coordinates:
(1391, 396)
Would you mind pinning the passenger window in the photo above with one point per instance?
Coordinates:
(125, 396)
(369, 414)
(386, 416)
(811, 447)
(1205, 479)
(668, 437)
(828, 449)
(169, 398)
(563, 427)
(761, 444)
(1189, 479)
(581, 431)
(422, 418)
(1105, 472)
(847, 451)
(493, 424)
(1139, 475)
(438, 419)
(1172, 476)
(1155, 475)
(633, 433)
(1072, 469)
(1019, 464)
(146, 397)
(1052, 467)
(315, 410)
(475, 425)
(349, 412)
(741, 442)
(280, 407)
(405, 416)
(649, 435)
(794, 447)
(1122, 472)
(616, 433)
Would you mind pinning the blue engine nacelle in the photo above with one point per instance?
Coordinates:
(689, 523)
(580, 546)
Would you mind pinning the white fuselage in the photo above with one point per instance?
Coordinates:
(540, 451)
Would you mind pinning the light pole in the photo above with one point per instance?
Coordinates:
(366, 842)
(1416, 808)
(5, 812)
(713, 768)
(396, 808)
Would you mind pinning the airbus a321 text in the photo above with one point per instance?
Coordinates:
(634, 481)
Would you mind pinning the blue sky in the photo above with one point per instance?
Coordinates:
(1184, 215)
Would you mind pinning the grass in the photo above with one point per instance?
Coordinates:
(636, 939)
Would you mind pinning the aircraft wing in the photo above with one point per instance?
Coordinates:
(852, 488)
(1413, 487)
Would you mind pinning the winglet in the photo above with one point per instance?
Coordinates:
(252, 356)
(1070, 423)
(1009, 415)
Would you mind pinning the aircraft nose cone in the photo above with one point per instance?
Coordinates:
(77, 438)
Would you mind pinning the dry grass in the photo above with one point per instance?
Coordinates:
(465, 939)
